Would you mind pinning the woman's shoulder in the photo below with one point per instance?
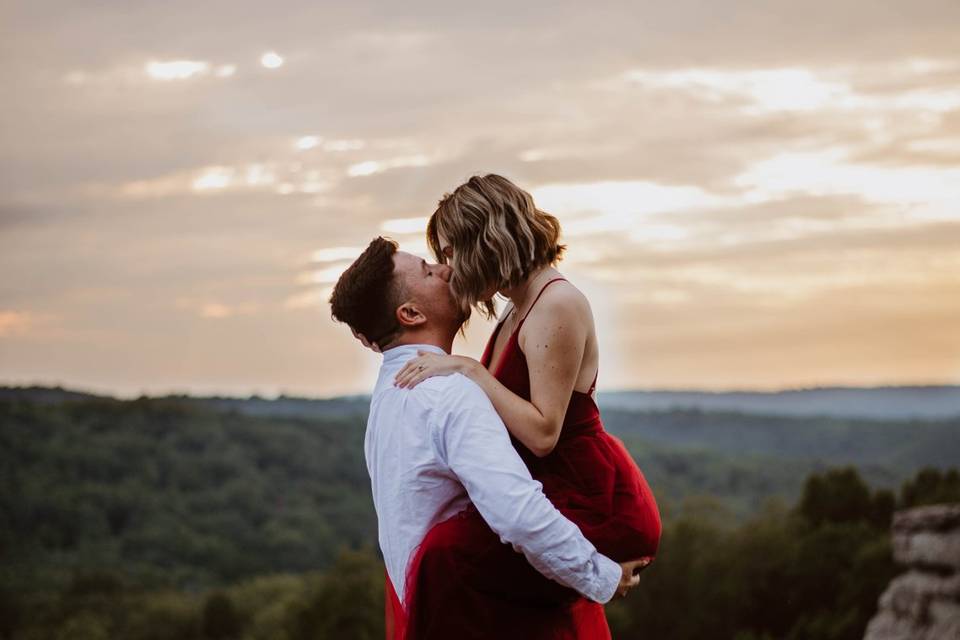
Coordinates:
(561, 301)
(563, 294)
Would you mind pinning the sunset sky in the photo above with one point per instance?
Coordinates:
(754, 195)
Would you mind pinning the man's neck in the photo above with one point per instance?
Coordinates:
(434, 338)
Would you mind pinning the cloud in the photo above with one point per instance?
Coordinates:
(800, 89)
(405, 226)
(368, 167)
(719, 170)
(930, 192)
(271, 60)
(177, 69)
(332, 254)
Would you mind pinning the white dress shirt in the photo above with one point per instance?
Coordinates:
(433, 449)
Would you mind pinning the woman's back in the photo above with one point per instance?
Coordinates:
(589, 475)
(538, 318)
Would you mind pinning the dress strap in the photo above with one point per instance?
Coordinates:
(506, 315)
(535, 300)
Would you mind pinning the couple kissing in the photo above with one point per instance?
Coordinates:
(504, 508)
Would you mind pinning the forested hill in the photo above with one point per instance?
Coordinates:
(166, 482)
(185, 518)
(176, 492)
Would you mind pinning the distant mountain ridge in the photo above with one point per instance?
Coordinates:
(874, 403)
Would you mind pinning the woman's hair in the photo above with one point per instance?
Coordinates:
(498, 237)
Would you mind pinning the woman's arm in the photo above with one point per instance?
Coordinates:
(553, 339)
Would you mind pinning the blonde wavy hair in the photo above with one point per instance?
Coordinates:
(498, 237)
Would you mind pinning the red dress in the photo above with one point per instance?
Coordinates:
(464, 583)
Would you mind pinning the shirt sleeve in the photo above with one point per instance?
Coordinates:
(473, 442)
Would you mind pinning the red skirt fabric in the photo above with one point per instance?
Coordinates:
(592, 480)
(464, 583)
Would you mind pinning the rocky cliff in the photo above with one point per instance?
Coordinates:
(924, 602)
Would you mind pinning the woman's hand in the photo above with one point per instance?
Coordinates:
(428, 364)
(363, 340)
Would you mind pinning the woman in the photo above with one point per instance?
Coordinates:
(541, 364)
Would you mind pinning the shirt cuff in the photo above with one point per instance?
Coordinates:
(609, 574)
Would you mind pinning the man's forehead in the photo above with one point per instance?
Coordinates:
(404, 262)
(402, 259)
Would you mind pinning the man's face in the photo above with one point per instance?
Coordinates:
(428, 285)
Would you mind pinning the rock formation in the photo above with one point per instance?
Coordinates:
(924, 602)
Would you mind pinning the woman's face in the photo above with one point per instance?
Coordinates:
(447, 250)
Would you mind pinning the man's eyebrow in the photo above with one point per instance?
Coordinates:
(423, 264)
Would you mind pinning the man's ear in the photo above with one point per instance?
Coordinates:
(410, 316)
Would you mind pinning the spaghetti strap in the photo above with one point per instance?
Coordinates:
(505, 316)
(535, 300)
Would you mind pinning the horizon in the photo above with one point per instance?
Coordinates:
(752, 197)
(284, 396)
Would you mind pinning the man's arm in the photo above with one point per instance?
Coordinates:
(474, 443)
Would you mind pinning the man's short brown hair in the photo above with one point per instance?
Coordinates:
(368, 293)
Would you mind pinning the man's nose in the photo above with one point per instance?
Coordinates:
(445, 271)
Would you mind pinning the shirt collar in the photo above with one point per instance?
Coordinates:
(407, 351)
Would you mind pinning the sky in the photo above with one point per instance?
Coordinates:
(754, 195)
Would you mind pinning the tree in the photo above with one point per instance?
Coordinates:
(840, 495)
(930, 486)
(221, 621)
(347, 602)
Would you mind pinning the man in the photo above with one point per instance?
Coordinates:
(445, 476)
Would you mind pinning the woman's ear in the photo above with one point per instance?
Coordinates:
(409, 315)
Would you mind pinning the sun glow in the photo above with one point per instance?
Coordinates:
(600, 207)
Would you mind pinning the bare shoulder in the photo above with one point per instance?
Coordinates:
(562, 297)
(561, 303)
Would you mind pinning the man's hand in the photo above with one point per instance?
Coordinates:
(631, 574)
